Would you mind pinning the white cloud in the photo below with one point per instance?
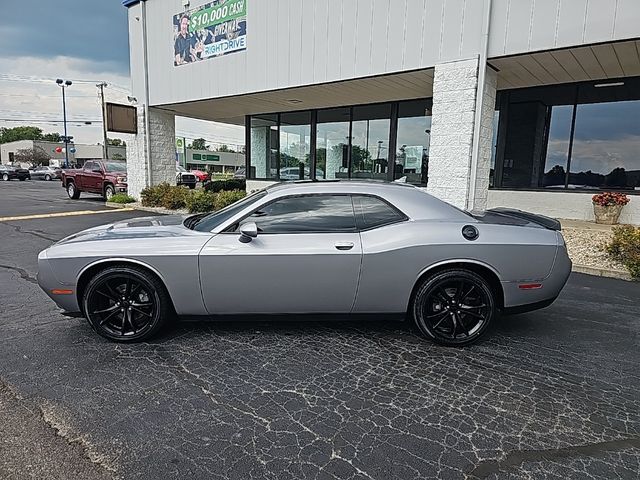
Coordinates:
(37, 100)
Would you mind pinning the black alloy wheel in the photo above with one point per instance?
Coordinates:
(126, 304)
(454, 307)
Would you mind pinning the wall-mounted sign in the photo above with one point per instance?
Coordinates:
(206, 157)
(121, 118)
(209, 31)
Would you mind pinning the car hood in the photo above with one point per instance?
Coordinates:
(142, 227)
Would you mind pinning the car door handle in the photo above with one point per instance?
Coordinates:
(344, 245)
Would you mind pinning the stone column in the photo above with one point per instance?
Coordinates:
(260, 151)
(452, 125)
(161, 167)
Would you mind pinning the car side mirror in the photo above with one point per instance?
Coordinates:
(248, 231)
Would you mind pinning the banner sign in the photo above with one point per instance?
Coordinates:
(209, 31)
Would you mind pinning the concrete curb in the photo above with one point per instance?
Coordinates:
(603, 272)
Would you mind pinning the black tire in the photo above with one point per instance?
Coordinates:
(47, 177)
(192, 186)
(453, 307)
(22, 179)
(5, 177)
(72, 191)
(109, 191)
(126, 304)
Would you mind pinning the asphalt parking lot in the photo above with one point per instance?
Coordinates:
(550, 394)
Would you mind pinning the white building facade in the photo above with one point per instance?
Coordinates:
(533, 104)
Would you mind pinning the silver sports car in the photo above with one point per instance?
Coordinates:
(359, 248)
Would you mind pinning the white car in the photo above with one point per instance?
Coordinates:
(185, 177)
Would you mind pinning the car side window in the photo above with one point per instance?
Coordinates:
(88, 166)
(306, 214)
(374, 212)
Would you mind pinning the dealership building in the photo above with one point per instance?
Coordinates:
(532, 104)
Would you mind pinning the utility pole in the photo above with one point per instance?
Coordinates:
(105, 152)
(63, 85)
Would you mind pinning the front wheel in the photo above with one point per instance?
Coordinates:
(72, 191)
(126, 304)
(109, 192)
(453, 307)
(47, 177)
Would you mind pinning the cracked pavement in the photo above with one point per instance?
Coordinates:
(549, 394)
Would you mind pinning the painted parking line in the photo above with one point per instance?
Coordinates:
(64, 214)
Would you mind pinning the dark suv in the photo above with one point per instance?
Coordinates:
(9, 172)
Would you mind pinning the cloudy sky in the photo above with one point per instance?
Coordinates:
(85, 41)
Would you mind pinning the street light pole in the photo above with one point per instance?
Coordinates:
(105, 151)
(64, 84)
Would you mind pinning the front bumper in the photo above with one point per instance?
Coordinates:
(65, 296)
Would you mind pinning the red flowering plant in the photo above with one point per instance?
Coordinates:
(608, 199)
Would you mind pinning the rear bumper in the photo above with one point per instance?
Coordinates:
(519, 300)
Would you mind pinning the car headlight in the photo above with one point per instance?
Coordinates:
(121, 179)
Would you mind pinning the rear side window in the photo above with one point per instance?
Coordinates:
(373, 212)
(306, 214)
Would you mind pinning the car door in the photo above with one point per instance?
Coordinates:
(91, 178)
(305, 259)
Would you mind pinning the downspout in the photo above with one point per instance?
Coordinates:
(482, 73)
(147, 139)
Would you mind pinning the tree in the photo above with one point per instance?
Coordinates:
(199, 144)
(19, 133)
(116, 142)
(52, 137)
(33, 156)
(224, 148)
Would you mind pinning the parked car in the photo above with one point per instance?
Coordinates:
(240, 173)
(312, 248)
(185, 177)
(293, 173)
(200, 175)
(46, 173)
(103, 177)
(9, 172)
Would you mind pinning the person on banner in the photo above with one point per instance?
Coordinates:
(183, 48)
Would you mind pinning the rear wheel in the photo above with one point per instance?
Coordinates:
(5, 177)
(126, 304)
(72, 191)
(453, 307)
(47, 177)
(109, 191)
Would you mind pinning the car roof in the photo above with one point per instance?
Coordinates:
(413, 201)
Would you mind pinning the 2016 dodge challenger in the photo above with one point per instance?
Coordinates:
(353, 247)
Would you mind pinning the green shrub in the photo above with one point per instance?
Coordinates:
(153, 196)
(625, 248)
(200, 201)
(226, 185)
(122, 198)
(175, 198)
(225, 198)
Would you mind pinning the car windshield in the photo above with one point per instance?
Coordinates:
(210, 221)
(115, 166)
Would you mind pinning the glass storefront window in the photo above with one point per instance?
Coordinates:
(295, 144)
(332, 144)
(370, 141)
(414, 134)
(606, 146)
(264, 147)
(555, 167)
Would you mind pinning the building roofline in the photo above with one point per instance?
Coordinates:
(131, 3)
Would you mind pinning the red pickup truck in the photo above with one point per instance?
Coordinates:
(104, 177)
